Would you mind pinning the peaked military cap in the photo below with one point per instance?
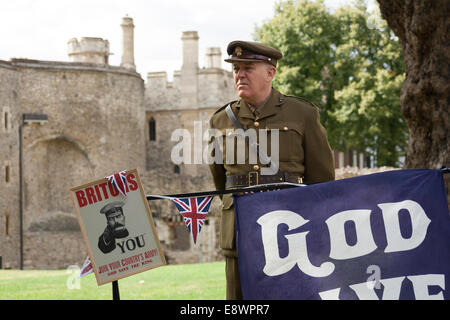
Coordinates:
(112, 207)
(252, 51)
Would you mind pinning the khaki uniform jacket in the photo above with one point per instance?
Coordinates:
(303, 148)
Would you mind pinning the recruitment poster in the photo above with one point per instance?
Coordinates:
(117, 227)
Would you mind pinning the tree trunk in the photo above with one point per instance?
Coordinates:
(422, 27)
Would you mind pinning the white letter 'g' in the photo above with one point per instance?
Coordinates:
(298, 252)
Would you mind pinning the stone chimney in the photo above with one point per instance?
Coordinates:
(189, 70)
(213, 57)
(190, 50)
(90, 50)
(127, 43)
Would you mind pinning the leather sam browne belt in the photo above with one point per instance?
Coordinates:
(254, 178)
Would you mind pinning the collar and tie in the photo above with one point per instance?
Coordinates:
(269, 108)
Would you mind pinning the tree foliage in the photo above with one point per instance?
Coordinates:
(347, 62)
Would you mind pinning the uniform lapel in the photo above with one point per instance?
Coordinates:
(244, 110)
(270, 108)
(272, 105)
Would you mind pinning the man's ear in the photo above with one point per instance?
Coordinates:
(271, 71)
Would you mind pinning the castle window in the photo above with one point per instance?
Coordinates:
(152, 129)
(7, 224)
(176, 169)
(7, 173)
(6, 120)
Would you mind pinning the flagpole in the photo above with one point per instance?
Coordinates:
(259, 187)
(115, 290)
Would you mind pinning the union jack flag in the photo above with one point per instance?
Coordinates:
(194, 211)
(87, 268)
(119, 181)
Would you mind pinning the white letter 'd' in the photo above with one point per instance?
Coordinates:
(419, 222)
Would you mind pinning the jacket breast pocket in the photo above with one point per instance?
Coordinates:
(223, 146)
(290, 141)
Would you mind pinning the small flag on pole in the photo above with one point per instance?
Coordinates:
(119, 181)
(194, 211)
(87, 267)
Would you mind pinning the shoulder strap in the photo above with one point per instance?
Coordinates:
(232, 117)
(303, 100)
(223, 107)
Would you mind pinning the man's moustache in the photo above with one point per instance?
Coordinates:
(120, 233)
(119, 226)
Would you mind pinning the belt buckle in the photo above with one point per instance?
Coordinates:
(256, 173)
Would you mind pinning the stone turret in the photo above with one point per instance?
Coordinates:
(127, 43)
(90, 50)
(189, 69)
(190, 50)
(213, 57)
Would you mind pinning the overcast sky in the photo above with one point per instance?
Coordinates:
(40, 29)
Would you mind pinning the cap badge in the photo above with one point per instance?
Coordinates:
(238, 51)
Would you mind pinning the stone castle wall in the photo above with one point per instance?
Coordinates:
(186, 103)
(98, 124)
(9, 162)
(94, 127)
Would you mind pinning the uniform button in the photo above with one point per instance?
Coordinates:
(285, 128)
(255, 167)
(256, 124)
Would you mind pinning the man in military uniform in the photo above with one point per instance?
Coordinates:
(304, 152)
(115, 226)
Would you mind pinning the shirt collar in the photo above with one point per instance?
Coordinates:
(270, 108)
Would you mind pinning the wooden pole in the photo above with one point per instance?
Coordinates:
(115, 290)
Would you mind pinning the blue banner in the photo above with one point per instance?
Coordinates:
(381, 236)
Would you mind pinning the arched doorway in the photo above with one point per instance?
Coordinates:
(51, 166)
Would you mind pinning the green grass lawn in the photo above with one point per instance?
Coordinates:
(202, 281)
